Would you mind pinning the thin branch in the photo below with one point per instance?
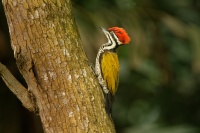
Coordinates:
(17, 88)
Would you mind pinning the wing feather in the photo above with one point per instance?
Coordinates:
(110, 70)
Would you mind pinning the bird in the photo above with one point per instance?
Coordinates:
(107, 63)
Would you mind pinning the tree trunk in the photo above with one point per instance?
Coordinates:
(50, 56)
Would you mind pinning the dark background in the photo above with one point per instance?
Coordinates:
(159, 90)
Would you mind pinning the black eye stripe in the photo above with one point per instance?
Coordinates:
(113, 36)
(113, 41)
(110, 40)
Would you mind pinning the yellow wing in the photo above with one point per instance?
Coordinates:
(110, 70)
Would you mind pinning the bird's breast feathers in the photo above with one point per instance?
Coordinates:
(110, 70)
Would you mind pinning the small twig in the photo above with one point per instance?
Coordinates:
(17, 88)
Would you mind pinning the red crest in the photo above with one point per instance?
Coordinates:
(121, 34)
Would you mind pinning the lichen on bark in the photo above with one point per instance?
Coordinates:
(50, 56)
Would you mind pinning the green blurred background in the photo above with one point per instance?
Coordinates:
(159, 90)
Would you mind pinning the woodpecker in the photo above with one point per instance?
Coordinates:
(107, 64)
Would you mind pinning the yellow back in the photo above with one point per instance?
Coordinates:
(110, 70)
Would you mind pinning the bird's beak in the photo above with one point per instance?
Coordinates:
(104, 30)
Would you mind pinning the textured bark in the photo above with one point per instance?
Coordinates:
(17, 88)
(50, 56)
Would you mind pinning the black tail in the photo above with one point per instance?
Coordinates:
(109, 99)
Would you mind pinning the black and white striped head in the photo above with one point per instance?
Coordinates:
(116, 37)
